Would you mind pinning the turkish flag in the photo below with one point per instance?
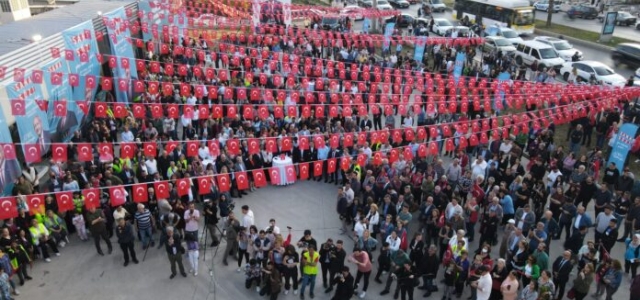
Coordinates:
(331, 165)
(150, 149)
(259, 179)
(271, 145)
(304, 171)
(161, 189)
(58, 152)
(36, 76)
(107, 83)
(65, 201)
(377, 159)
(156, 111)
(60, 108)
(290, 173)
(9, 151)
(287, 144)
(303, 143)
(214, 147)
(317, 168)
(192, 148)
(44, 105)
(18, 107)
(127, 150)
(274, 173)
(362, 159)
(91, 197)
(32, 153)
(224, 183)
(105, 150)
(119, 110)
(204, 185)
(183, 185)
(36, 204)
(118, 196)
(8, 208)
(85, 152)
(173, 111)
(422, 150)
(18, 74)
(139, 111)
(254, 146)
(319, 142)
(233, 146)
(345, 161)
(217, 112)
(140, 194)
(171, 145)
(242, 180)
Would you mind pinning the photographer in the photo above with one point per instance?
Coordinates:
(211, 220)
(226, 207)
(233, 227)
(336, 255)
(344, 285)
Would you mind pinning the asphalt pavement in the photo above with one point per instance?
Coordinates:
(626, 32)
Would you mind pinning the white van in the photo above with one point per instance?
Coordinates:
(435, 5)
(529, 51)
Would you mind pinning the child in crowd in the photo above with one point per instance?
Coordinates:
(253, 271)
(81, 229)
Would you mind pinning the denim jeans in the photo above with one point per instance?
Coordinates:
(308, 280)
(146, 236)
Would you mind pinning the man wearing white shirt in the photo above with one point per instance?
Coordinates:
(349, 193)
(359, 227)
(127, 135)
(272, 227)
(484, 284)
(152, 166)
(247, 217)
(204, 152)
(453, 208)
(394, 242)
(553, 175)
(479, 167)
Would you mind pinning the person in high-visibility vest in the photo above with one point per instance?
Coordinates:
(19, 261)
(40, 238)
(309, 270)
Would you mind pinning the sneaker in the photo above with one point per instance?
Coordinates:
(57, 253)
(362, 295)
(195, 274)
(47, 259)
(62, 244)
(311, 295)
(16, 292)
(190, 271)
(239, 270)
(286, 292)
(295, 292)
(258, 289)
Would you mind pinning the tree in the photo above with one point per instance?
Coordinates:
(550, 12)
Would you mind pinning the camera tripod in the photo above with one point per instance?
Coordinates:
(204, 242)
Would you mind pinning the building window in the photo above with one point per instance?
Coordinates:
(4, 4)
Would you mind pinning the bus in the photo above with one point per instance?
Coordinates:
(515, 14)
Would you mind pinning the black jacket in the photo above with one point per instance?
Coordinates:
(344, 289)
(429, 266)
(177, 244)
(125, 233)
(384, 259)
(561, 273)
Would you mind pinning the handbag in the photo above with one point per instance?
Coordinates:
(571, 294)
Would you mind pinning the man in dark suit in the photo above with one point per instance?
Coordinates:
(561, 269)
(311, 155)
(65, 125)
(298, 155)
(333, 177)
(365, 123)
(44, 137)
(9, 170)
(175, 251)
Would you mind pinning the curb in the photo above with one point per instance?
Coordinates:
(575, 40)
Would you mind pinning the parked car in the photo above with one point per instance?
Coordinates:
(413, 1)
(563, 47)
(384, 5)
(435, 5)
(399, 3)
(498, 43)
(588, 68)
(582, 11)
(623, 18)
(441, 26)
(402, 20)
(463, 31)
(330, 22)
(529, 51)
(626, 53)
(365, 3)
(505, 32)
(543, 5)
(352, 11)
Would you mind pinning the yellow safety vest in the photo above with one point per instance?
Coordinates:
(37, 231)
(311, 270)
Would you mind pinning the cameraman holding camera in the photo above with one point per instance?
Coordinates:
(211, 220)
(344, 285)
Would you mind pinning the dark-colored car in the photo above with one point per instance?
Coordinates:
(365, 3)
(582, 11)
(330, 23)
(623, 18)
(402, 20)
(399, 3)
(628, 54)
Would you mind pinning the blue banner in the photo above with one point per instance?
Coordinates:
(622, 145)
(33, 125)
(62, 128)
(366, 25)
(121, 46)
(502, 77)
(419, 46)
(9, 166)
(81, 39)
(459, 65)
(388, 31)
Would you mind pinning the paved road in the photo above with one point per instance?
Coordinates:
(589, 52)
(627, 32)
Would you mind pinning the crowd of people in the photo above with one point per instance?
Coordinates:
(412, 217)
